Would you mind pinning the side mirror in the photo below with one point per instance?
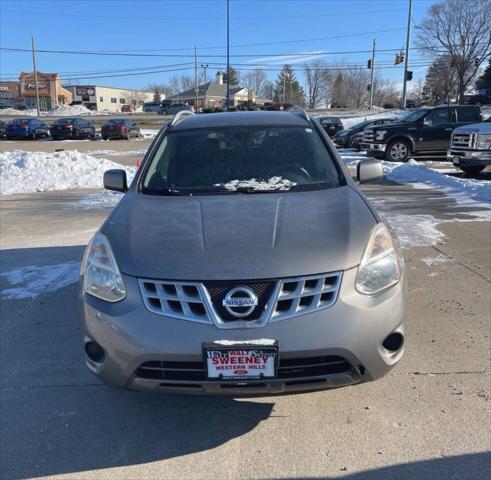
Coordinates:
(115, 180)
(369, 171)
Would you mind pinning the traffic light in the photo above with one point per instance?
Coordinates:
(452, 63)
(369, 87)
(409, 75)
(477, 62)
(369, 64)
(401, 56)
(397, 61)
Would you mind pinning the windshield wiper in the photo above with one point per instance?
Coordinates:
(316, 185)
(165, 191)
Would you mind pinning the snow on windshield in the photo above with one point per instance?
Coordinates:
(273, 183)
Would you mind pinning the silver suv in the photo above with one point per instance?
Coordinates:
(242, 259)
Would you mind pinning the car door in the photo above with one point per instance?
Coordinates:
(435, 129)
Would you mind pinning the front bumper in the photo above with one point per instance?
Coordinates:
(469, 158)
(376, 150)
(354, 328)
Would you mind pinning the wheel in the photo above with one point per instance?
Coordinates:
(474, 170)
(128, 135)
(104, 138)
(33, 135)
(398, 151)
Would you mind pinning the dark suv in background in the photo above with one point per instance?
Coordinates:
(331, 125)
(72, 128)
(343, 137)
(425, 131)
(173, 108)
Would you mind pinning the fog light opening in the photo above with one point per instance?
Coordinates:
(394, 342)
(95, 352)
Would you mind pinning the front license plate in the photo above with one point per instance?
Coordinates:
(456, 160)
(241, 362)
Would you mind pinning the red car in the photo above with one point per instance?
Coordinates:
(120, 128)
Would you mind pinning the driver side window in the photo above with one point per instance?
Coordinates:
(437, 117)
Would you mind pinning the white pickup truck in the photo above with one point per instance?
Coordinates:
(470, 148)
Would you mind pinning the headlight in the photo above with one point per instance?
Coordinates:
(102, 278)
(380, 134)
(381, 264)
(484, 141)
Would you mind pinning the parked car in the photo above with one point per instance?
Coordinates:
(243, 259)
(151, 107)
(425, 131)
(470, 149)
(120, 128)
(174, 108)
(343, 137)
(72, 128)
(128, 108)
(3, 127)
(26, 128)
(331, 125)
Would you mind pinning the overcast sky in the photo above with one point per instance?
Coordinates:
(263, 32)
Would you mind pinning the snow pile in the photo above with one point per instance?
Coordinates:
(33, 280)
(116, 153)
(273, 183)
(24, 172)
(352, 120)
(461, 189)
(61, 111)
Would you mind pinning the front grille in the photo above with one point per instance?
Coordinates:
(287, 369)
(277, 299)
(217, 291)
(368, 136)
(462, 140)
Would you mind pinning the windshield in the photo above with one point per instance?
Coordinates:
(115, 122)
(240, 160)
(416, 115)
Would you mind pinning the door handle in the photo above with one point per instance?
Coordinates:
(449, 129)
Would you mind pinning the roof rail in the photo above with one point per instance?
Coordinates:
(179, 116)
(296, 109)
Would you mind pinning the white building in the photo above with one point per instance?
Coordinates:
(108, 98)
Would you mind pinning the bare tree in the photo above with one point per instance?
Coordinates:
(181, 83)
(133, 97)
(441, 80)
(315, 79)
(254, 80)
(385, 93)
(462, 30)
(158, 90)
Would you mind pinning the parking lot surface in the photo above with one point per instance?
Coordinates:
(428, 419)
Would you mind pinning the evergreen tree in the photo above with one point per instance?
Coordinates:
(287, 88)
(234, 76)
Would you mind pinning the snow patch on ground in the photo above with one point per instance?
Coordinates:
(25, 172)
(33, 280)
(438, 260)
(353, 119)
(415, 230)
(148, 132)
(104, 199)
(116, 153)
(273, 183)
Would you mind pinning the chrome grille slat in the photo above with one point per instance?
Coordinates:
(289, 298)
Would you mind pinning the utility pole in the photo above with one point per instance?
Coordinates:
(196, 87)
(35, 75)
(406, 57)
(204, 66)
(228, 55)
(284, 88)
(371, 75)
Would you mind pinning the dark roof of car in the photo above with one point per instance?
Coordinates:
(234, 119)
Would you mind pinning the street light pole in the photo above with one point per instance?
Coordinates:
(204, 66)
(371, 75)
(228, 55)
(196, 87)
(406, 57)
(35, 75)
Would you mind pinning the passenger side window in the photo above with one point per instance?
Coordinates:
(467, 115)
(437, 117)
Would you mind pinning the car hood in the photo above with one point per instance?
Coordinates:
(389, 126)
(483, 127)
(245, 236)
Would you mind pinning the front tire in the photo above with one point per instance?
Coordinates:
(474, 170)
(33, 135)
(398, 151)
